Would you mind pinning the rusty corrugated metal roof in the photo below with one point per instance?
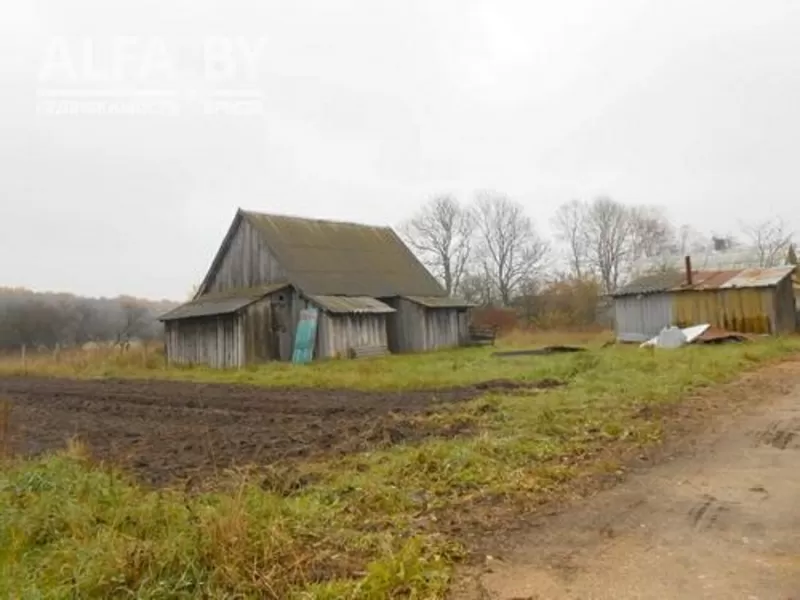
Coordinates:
(706, 280)
(651, 284)
(748, 278)
(332, 258)
(351, 304)
(439, 302)
(221, 304)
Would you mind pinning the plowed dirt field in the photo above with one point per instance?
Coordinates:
(167, 431)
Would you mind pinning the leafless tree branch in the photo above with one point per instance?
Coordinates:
(441, 234)
(510, 250)
(771, 239)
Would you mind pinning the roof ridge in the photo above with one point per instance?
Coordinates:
(312, 219)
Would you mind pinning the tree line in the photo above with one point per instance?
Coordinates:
(48, 319)
(490, 250)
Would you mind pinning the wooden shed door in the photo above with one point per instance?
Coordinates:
(281, 327)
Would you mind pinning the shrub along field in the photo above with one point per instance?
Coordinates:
(385, 520)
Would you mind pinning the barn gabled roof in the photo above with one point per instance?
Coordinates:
(332, 258)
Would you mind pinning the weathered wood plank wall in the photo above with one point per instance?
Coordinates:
(337, 334)
(261, 343)
(444, 328)
(246, 262)
(415, 328)
(215, 341)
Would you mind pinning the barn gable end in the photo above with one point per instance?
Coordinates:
(243, 261)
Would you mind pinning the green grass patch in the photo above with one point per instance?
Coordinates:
(379, 524)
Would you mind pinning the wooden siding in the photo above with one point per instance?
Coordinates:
(445, 328)
(406, 327)
(414, 328)
(337, 334)
(244, 262)
(261, 343)
(214, 341)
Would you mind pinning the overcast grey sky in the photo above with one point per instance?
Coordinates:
(369, 108)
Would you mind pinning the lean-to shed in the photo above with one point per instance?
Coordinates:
(744, 300)
(367, 286)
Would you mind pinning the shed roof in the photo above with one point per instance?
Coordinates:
(332, 258)
(351, 305)
(675, 281)
(439, 302)
(221, 304)
(651, 284)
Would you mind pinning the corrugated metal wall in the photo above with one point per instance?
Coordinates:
(246, 262)
(785, 307)
(746, 310)
(639, 318)
(214, 341)
(337, 334)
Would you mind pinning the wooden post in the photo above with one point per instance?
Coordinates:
(24, 362)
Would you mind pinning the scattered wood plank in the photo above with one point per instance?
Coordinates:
(368, 351)
(540, 351)
(482, 335)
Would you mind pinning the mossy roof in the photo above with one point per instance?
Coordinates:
(333, 258)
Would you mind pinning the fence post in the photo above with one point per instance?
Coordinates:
(24, 362)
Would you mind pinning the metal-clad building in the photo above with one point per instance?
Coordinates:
(369, 288)
(745, 300)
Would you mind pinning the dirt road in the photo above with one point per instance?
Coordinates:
(722, 523)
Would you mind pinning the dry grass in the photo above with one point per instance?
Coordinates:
(5, 428)
(521, 338)
(75, 361)
(462, 366)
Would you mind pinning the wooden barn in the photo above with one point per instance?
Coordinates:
(370, 292)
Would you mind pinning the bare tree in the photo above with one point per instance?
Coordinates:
(569, 223)
(441, 234)
(771, 239)
(609, 231)
(477, 287)
(509, 248)
(651, 232)
(791, 256)
(133, 318)
(688, 240)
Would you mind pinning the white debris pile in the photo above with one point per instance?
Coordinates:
(675, 337)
